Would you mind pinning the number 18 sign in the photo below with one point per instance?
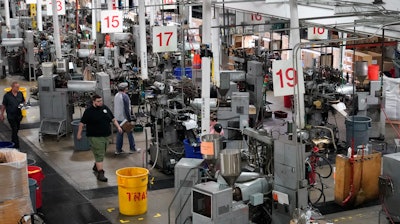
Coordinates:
(286, 78)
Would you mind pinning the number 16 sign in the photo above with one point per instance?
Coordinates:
(286, 78)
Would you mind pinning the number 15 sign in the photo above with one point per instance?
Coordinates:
(286, 78)
(111, 21)
(165, 38)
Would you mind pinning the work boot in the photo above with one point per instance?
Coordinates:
(101, 177)
(95, 168)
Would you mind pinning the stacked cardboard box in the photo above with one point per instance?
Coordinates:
(14, 189)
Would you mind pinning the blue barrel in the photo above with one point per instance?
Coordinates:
(6, 145)
(192, 151)
(359, 125)
(32, 192)
(178, 73)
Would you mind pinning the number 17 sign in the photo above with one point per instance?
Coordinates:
(286, 78)
(165, 38)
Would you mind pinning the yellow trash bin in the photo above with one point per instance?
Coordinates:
(132, 190)
(23, 90)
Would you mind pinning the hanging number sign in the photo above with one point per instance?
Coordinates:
(165, 38)
(111, 21)
(168, 4)
(286, 78)
(60, 7)
(317, 33)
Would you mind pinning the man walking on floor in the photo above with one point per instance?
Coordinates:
(97, 119)
(122, 110)
(12, 102)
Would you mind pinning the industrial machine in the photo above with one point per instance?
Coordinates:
(220, 191)
(172, 122)
(389, 184)
(369, 100)
(55, 107)
(58, 98)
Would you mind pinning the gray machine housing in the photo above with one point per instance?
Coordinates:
(213, 203)
(289, 173)
(103, 89)
(389, 185)
(55, 109)
(187, 175)
(369, 104)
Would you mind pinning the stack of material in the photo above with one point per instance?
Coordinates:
(14, 188)
(391, 87)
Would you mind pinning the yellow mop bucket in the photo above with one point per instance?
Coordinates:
(132, 190)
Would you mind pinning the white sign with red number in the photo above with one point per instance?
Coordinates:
(165, 38)
(168, 4)
(317, 33)
(111, 21)
(30, 1)
(256, 18)
(60, 7)
(286, 78)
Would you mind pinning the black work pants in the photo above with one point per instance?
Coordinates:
(14, 124)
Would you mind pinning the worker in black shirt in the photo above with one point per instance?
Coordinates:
(97, 118)
(12, 103)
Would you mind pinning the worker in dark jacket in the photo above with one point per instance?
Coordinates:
(12, 103)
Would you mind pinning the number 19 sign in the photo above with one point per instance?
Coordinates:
(286, 78)
(165, 38)
(111, 21)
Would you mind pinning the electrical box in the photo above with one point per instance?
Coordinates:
(62, 65)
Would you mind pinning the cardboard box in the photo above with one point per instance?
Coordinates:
(14, 189)
(387, 65)
(376, 57)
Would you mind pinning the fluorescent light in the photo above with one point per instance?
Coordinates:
(266, 39)
(311, 51)
(255, 37)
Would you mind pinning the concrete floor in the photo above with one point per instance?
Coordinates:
(75, 168)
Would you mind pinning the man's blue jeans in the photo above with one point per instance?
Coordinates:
(120, 140)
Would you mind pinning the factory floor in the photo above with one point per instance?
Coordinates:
(71, 193)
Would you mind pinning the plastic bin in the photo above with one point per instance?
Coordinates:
(132, 190)
(287, 101)
(192, 151)
(178, 73)
(32, 192)
(23, 90)
(359, 125)
(83, 143)
(4, 145)
(36, 173)
(373, 72)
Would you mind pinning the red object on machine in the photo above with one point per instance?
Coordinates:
(36, 173)
(287, 101)
(108, 40)
(196, 61)
(373, 72)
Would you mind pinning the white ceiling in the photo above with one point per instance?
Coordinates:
(362, 15)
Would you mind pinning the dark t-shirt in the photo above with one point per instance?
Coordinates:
(97, 120)
(11, 103)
